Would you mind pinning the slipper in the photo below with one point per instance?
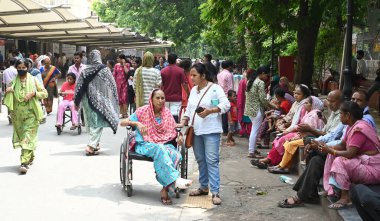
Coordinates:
(338, 206)
(255, 162)
(285, 204)
(167, 201)
(91, 151)
(278, 170)
(262, 165)
(198, 192)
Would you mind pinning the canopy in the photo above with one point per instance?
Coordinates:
(26, 19)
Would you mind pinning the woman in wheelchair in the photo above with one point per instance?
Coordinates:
(67, 92)
(155, 128)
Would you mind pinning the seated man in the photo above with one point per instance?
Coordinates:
(366, 201)
(155, 128)
(67, 91)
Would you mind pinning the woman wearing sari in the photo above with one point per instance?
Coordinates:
(155, 129)
(245, 122)
(312, 117)
(50, 74)
(96, 91)
(274, 157)
(357, 156)
(22, 99)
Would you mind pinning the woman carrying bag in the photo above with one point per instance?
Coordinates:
(207, 102)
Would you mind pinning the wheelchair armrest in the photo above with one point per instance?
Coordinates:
(131, 128)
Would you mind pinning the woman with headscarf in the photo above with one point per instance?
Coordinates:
(146, 79)
(155, 130)
(22, 99)
(96, 90)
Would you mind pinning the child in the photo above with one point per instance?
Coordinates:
(233, 124)
(67, 92)
(283, 107)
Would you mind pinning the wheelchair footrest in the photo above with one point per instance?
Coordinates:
(136, 156)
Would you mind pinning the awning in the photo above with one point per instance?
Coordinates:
(26, 19)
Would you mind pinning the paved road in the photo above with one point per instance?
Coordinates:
(64, 184)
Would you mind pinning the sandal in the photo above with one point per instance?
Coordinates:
(166, 201)
(296, 203)
(198, 192)
(338, 206)
(90, 151)
(261, 165)
(278, 170)
(255, 162)
(216, 199)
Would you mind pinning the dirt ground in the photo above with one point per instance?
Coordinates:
(249, 193)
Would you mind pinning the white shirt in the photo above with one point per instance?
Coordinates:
(9, 74)
(213, 122)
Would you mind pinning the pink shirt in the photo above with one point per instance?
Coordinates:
(76, 70)
(225, 80)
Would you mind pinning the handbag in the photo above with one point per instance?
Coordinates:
(190, 130)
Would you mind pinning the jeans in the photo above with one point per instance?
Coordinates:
(256, 123)
(206, 151)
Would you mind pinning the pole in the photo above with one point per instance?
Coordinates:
(347, 87)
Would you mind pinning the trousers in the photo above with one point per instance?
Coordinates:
(61, 111)
(366, 201)
(306, 186)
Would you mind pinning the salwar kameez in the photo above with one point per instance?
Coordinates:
(165, 156)
(26, 115)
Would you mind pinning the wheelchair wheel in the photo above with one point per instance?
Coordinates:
(184, 162)
(122, 167)
(79, 130)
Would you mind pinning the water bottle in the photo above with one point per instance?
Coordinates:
(214, 98)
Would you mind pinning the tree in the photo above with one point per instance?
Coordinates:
(178, 21)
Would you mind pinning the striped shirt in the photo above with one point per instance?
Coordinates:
(151, 80)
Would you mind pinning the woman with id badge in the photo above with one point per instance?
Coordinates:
(207, 102)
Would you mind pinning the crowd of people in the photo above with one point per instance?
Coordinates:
(157, 96)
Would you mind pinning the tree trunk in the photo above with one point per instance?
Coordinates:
(309, 18)
(306, 41)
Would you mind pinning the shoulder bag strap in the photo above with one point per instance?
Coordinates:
(192, 121)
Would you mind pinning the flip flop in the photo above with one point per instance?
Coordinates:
(91, 151)
(166, 201)
(338, 206)
(285, 204)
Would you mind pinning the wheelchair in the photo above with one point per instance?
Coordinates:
(67, 115)
(127, 156)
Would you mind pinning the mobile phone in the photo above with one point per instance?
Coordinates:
(199, 110)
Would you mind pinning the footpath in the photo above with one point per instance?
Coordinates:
(249, 193)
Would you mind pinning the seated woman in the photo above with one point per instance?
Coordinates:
(67, 92)
(357, 156)
(313, 118)
(155, 128)
(275, 155)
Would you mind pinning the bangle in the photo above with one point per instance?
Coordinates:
(334, 152)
